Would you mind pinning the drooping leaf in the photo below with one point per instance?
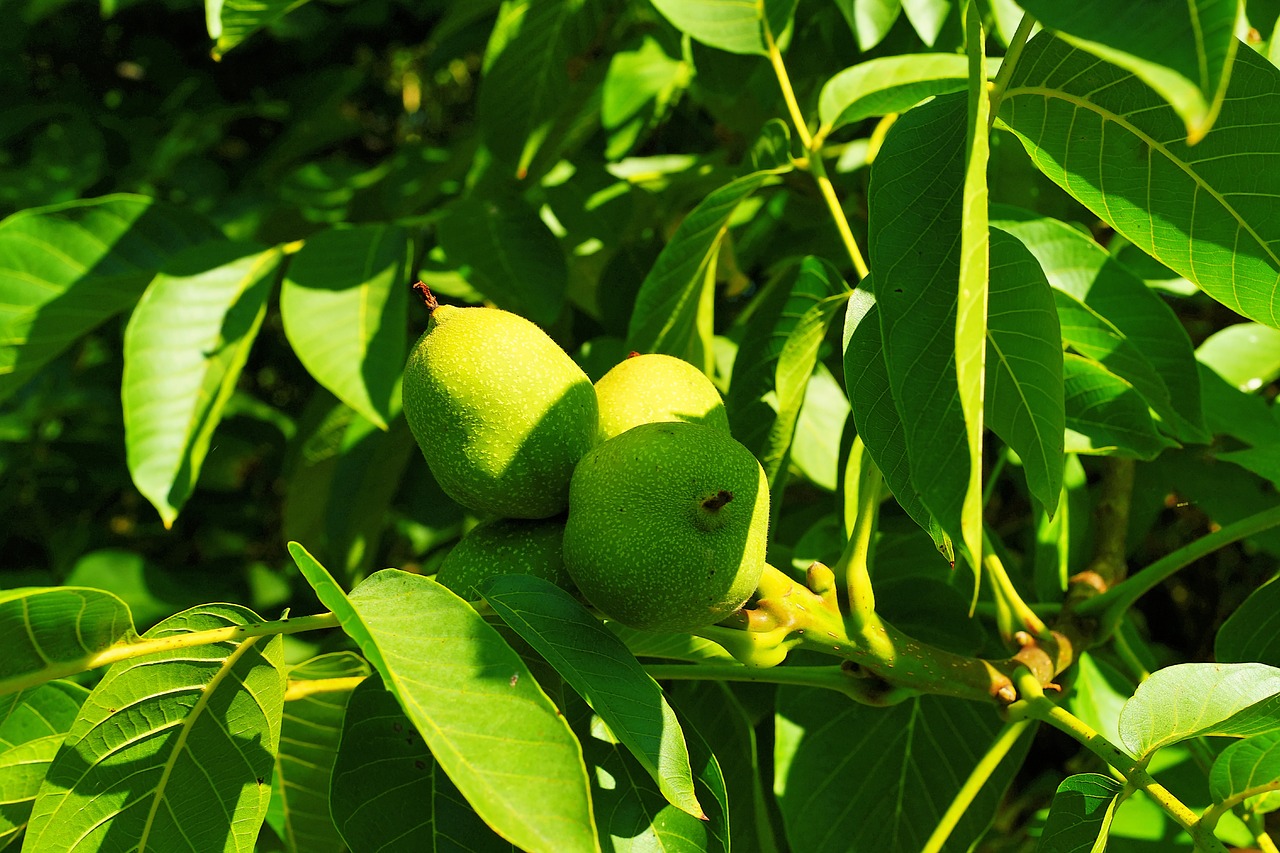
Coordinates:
(528, 72)
(66, 268)
(837, 762)
(507, 253)
(309, 737)
(888, 84)
(172, 750)
(1246, 766)
(1080, 815)
(1109, 315)
(473, 700)
(230, 22)
(1024, 398)
(727, 24)
(927, 17)
(1111, 142)
(870, 20)
(1252, 632)
(1247, 355)
(598, 666)
(389, 794)
(57, 631)
(1198, 699)
(184, 348)
(673, 308)
(343, 306)
(1184, 51)
(1104, 414)
(916, 210)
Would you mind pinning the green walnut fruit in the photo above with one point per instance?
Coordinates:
(506, 546)
(651, 388)
(502, 414)
(667, 526)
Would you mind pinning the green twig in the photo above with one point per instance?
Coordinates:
(1036, 705)
(964, 798)
(1009, 63)
(152, 645)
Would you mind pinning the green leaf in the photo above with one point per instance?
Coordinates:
(836, 763)
(596, 664)
(888, 84)
(473, 700)
(638, 91)
(1112, 143)
(184, 348)
(57, 631)
(729, 24)
(1263, 461)
(66, 268)
(1109, 315)
(673, 308)
(673, 646)
(870, 20)
(343, 306)
(1105, 415)
(389, 794)
(1183, 50)
(1200, 699)
(874, 414)
(632, 814)
(308, 745)
(975, 272)
(1250, 766)
(1024, 398)
(1052, 559)
(815, 449)
(927, 17)
(507, 253)
(1098, 695)
(1252, 632)
(527, 75)
(1247, 355)
(33, 724)
(172, 750)
(916, 212)
(232, 21)
(1080, 815)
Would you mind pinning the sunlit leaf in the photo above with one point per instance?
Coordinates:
(184, 348)
(1182, 50)
(1252, 765)
(172, 750)
(232, 21)
(870, 20)
(1080, 815)
(33, 724)
(343, 306)
(598, 666)
(889, 84)
(729, 24)
(482, 714)
(1197, 699)
(1113, 144)
(927, 17)
(66, 268)
(1105, 415)
(1247, 355)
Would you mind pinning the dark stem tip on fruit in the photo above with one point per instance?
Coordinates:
(428, 298)
(717, 500)
(633, 354)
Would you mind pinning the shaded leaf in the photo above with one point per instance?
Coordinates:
(343, 306)
(308, 744)
(1198, 699)
(1184, 51)
(598, 666)
(232, 21)
(1105, 415)
(508, 254)
(66, 268)
(484, 717)
(33, 724)
(728, 24)
(888, 84)
(40, 711)
(57, 631)
(172, 750)
(1246, 767)
(1080, 815)
(184, 348)
(1252, 632)
(673, 308)
(1112, 143)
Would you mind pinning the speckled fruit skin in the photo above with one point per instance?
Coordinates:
(652, 388)
(667, 526)
(506, 546)
(502, 414)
